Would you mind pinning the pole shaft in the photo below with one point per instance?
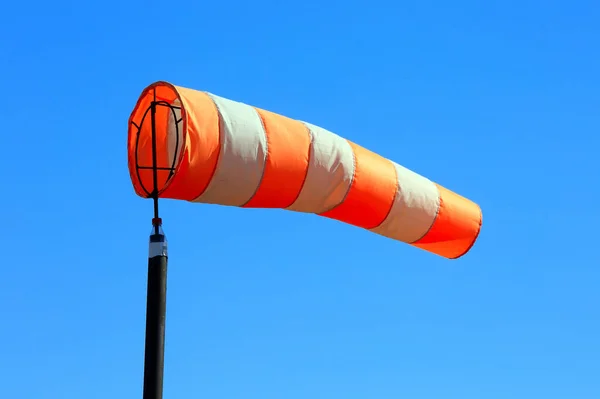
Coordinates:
(156, 305)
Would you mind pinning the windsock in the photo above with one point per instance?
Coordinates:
(213, 150)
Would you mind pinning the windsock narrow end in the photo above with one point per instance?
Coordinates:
(455, 228)
(467, 249)
(158, 105)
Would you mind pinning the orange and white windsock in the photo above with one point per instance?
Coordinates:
(213, 150)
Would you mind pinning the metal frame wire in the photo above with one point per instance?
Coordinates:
(154, 167)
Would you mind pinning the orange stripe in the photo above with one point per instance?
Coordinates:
(288, 149)
(139, 181)
(372, 192)
(456, 227)
(202, 146)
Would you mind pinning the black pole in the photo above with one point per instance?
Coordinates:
(156, 299)
(156, 306)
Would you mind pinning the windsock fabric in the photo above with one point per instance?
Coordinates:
(229, 153)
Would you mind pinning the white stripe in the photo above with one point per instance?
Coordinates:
(414, 209)
(174, 134)
(243, 153)
(330, 172)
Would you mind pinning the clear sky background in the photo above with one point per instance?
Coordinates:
(499, 102)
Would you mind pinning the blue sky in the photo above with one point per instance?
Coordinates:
(498, 102)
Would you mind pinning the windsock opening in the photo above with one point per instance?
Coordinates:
(160, 102)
